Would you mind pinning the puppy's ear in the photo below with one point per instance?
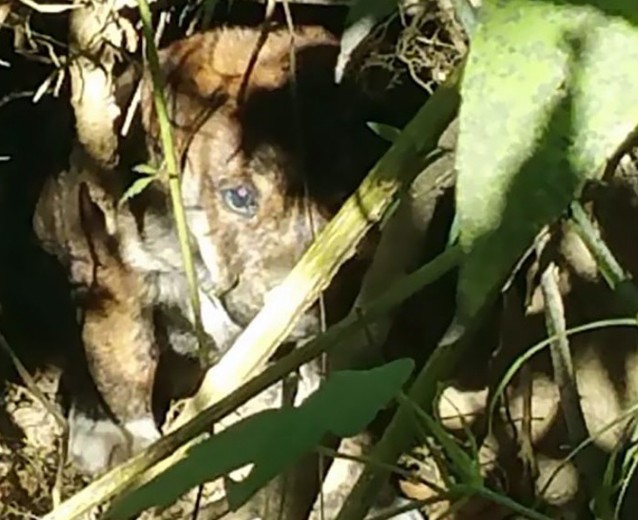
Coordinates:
(94, 226)
(126, 85)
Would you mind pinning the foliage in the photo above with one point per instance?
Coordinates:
(548, 99)
(273, 440)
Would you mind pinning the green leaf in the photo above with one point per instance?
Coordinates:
(145, 169)
(550, 92)
(465, 468)
(387, 132)
(273, 440)
(136, 188)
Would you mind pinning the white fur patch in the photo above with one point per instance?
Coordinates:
(95, 444)
(143, 431)
(216, 321)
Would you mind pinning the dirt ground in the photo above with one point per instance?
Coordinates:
(31, 450)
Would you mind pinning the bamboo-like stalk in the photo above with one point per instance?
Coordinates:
(174, 176)
(398, 434)
(402, 243)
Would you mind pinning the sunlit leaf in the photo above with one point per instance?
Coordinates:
(136, 188)
(550, 92)
(145, 169)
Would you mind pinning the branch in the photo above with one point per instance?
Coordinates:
(565, 376)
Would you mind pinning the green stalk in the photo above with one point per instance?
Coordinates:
(173, 177)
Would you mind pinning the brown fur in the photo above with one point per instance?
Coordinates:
(115, 316)
(286, 149)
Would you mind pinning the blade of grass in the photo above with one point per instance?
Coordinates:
(173, 176)
(616, 277)
(532, 351)
(565, 376)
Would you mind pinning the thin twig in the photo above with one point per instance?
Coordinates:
(4, 100)
(31, 384)
(174, 181)
(564, 373)
(49, 8)
(261, 40)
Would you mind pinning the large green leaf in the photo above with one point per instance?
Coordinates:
(274, 439)
(550, 92)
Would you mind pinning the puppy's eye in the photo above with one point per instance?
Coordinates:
(241, 199)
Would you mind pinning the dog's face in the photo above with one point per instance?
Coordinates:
(264, 163)
(249, 228)
(260, 176)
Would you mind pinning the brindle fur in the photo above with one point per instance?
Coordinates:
(289, 144)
